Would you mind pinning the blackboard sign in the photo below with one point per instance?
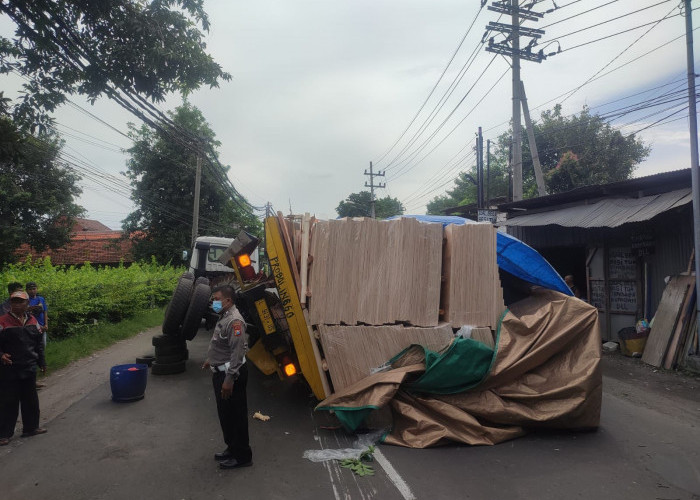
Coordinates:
(623, 296)
(597, 289)
(622, 264)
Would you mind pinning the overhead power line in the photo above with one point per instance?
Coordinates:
(430, 94)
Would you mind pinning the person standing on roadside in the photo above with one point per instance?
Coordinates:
(11, 288)
(38, 308)
(226, 360)
(21, 352)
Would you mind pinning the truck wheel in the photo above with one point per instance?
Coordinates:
(167, 341)
(167, 368)
(198, 306)
(178, 306)
(202, 279)
(146, 359)
(169, 350)
(171, 358)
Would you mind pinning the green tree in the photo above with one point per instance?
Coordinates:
(137, 48)
(578, 150)
(360, 205)
(162, 174)
(37, 191)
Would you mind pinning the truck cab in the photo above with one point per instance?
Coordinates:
(206, 252)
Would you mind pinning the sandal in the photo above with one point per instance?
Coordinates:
(4, 441)
(36, 431)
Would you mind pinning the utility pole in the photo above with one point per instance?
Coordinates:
(539, 178)
(693, 118)
(372, 185)
(195, 211)
(268, 209)
(517, 130)
(480, 169)
(488, 173)
(510, 46)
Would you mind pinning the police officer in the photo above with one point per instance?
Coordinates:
(226, 360)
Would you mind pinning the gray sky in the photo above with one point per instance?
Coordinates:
(320, 89)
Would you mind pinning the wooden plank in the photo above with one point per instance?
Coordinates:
(304, 258)
(681, 327)
(352, 352)
(687, 341)
(665, 320)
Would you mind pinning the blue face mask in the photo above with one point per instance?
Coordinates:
(217, 306)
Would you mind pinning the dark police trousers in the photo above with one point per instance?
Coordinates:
(233, 415)
(13, 394)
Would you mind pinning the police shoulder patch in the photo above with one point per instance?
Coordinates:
(237, 328)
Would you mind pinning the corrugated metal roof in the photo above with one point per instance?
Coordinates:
(611, 212)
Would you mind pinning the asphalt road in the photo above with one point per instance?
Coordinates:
(648, 445)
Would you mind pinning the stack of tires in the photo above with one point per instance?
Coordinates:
(183, 318)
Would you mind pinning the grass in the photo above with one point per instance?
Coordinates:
(61, 353)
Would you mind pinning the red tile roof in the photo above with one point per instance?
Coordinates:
(98, 246)
(89, 225)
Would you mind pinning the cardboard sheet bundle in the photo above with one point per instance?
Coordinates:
(373, 288)
(375, 272)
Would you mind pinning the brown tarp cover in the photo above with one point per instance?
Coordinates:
(545, 373)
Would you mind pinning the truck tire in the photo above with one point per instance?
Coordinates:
(169, 350)
(178, 306)
(167, 368)
(202, 279)
(198, 306)
(171, 358)
(146, 359)
(159, 341)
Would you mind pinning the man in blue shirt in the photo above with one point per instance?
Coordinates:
(37, 306)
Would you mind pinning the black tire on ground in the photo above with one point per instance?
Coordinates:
(187, 275)
(146, 359)
(172, 358)
(202, 279)
(159, 341)
(171, 350)
(178, 307)
(167, 368)
(198, 306)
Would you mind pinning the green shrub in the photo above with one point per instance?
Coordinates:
(79, 297)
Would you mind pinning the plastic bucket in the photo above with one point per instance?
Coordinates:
(128, 382)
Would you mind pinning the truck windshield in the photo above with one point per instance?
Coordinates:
(215, 253)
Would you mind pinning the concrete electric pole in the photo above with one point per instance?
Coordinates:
(510, 46)
(372, 185)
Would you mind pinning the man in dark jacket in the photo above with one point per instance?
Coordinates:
(21, 352)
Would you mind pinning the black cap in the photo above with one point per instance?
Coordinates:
(29, 285)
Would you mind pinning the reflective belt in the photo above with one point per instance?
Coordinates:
(224, 367)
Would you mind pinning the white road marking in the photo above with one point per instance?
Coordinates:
(393, 475)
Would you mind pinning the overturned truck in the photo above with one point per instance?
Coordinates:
(443, 329)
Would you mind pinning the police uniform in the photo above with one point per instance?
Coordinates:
(226, 356)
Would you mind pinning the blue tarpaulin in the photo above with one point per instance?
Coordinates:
(514, 256)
